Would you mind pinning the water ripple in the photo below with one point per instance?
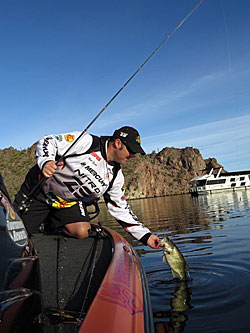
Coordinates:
(212, 232)
(212, 288)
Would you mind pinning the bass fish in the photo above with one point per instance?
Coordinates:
(175, 259)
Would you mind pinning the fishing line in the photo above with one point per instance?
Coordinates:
(227, 38)
(134, 74)
(36, 189)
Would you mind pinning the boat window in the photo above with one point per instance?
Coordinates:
(242, 178)
(216, 181)
(243, 184)
(233, 184)
(232, 179)
(201, 182)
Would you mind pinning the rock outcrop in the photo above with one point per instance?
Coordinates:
(165, 173)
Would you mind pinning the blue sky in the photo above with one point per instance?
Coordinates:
(61, 62)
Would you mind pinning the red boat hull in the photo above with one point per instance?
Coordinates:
(118, 305)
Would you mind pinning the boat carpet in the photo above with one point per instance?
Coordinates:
(71, 272)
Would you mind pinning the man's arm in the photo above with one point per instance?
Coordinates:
(122, 212)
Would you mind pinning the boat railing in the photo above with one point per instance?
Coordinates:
(211, 172)
(218, 174)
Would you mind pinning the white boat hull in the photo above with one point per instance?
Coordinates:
(213, 183)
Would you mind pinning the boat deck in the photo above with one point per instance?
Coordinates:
(71, 272)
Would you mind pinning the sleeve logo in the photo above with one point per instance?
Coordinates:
(69, 137)
(58, 137)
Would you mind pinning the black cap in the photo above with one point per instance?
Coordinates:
(131, 138)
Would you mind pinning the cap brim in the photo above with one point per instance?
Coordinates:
(136, 149)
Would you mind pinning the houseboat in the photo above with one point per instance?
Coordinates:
(221, 181)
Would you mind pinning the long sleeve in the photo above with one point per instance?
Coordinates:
(122, 212)
(52, 145)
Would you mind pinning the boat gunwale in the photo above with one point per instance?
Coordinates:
(143, 318)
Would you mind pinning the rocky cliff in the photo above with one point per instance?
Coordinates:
(165, 173)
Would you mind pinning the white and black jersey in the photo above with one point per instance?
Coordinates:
(85, 173)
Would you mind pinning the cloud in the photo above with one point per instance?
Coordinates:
(181, 97)
(166, 100)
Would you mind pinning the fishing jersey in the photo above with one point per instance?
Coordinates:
(85, 173)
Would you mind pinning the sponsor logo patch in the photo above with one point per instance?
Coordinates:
(15, 226)
(45, 146)
(81, 208)
(124, 135)
(12, 213)
(138, 139)
(58, 138)
(69, 137)
(96, 156)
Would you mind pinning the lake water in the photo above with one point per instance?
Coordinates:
(213, 233)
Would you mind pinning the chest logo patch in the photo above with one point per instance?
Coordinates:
(98, 158)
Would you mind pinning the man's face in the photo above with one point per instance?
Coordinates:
(122, 155)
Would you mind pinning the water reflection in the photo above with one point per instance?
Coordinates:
(183, 214)
(212, 232)
(221, 206)
(169, 213)
(176, 214)
(179, 303)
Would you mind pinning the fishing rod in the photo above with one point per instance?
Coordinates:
(23, 205)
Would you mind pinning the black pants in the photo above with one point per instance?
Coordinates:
(40, 212)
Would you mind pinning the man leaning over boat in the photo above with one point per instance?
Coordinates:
(91, 169)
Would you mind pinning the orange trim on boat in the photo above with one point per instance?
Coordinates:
(118, 305)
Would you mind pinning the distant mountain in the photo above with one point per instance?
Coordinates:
(157, 174)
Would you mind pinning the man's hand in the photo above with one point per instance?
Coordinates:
(154, 242)
(50, 168)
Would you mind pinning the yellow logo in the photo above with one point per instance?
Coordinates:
(138, 139)
(60, 203)
(69, 137)
(11, 212)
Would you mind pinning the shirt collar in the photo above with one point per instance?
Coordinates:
(104, 149)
